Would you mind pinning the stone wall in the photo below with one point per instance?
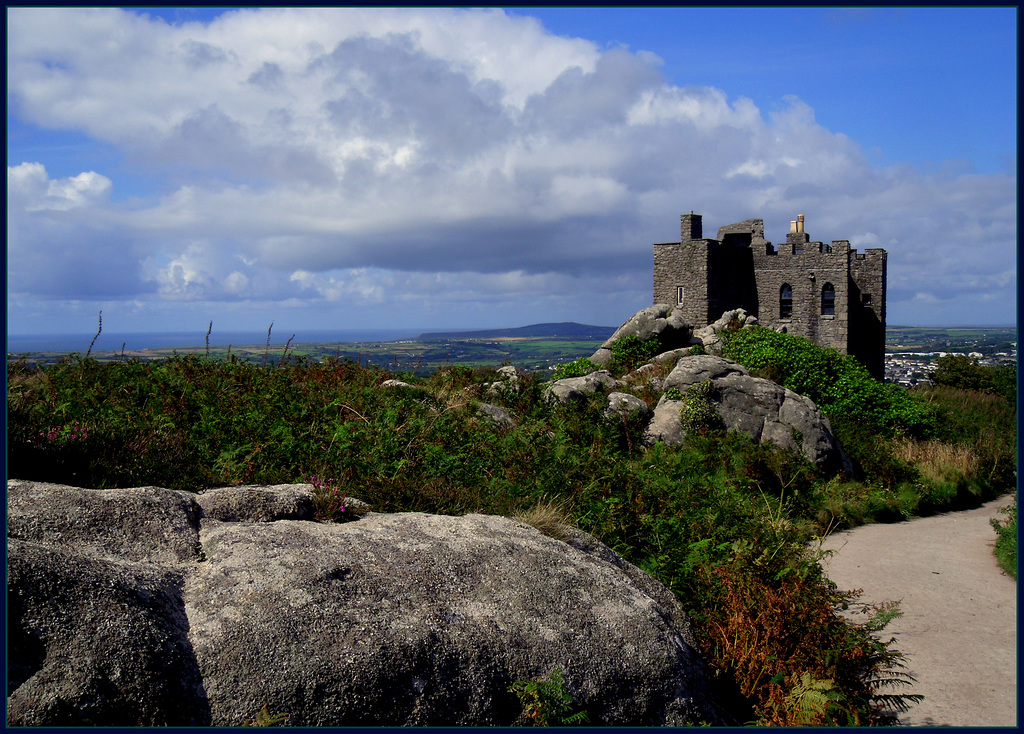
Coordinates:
(806, 267)
(681, 275)
(868, 272)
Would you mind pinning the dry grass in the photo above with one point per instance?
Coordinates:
(450, 398)
(549, 517)
(938, 461)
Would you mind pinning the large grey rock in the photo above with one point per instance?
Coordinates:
(765, 411)
(665, 425)
(624, 405)
(143, 524)
(577, 389)
(701, 367)
(258, 504)
(97, 641)
(661, 321)
(393, 619)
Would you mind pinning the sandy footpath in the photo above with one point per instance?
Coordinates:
(959, 625)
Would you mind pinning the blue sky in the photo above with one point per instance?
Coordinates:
(408, 168)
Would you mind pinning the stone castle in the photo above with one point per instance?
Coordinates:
(830, 294)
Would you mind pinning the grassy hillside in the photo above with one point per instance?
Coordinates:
(724, 522)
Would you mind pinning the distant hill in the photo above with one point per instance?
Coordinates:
(563, 330)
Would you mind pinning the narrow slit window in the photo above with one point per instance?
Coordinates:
(828, 300)
(679, 295)
(786, 302)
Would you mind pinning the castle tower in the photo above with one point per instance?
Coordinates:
(681, 270)
(824, 292)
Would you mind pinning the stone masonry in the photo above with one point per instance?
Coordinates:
(828, 293)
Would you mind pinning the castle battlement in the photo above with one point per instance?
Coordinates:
(829, 293)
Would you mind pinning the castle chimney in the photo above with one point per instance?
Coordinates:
(792, 226)
(799, 222)
(692, 227)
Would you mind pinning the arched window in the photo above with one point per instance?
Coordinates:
(828, 300)
(785, 302)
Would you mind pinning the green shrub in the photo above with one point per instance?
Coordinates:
(964, 373)
(545, 701)
(629, 352)
(1006, 542)
(984, 423)
(837, 383)
(697, 413)
(673, 393)
(576, 368)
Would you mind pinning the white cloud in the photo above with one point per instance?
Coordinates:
(352, 155)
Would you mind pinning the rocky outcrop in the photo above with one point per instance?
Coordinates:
(507, 383)
(624, 405)
(577, 389)
(710, 336)
(155, 607)
(661, 321)
(762, 409)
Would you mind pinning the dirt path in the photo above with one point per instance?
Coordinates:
(959, 625)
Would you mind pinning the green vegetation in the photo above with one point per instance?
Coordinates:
(417, 356)
(837, 383)
(629, 352)
(576, 368)
(964, 373)
(987, 341)
(265, 718)
(697, 413)
(545, 701)
(1006, 542)
(724, 522)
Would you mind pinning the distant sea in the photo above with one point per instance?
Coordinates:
(111, 342)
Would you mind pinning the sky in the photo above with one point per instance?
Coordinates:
(468, 169)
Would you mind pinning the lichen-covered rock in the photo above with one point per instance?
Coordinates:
(508, 381)
(394, 619)
(661, 321)
(495, 415)
(98, 641)
(142, 524)
(575, 389)
(701, 367)
(765, 411)
(711, 335)
(622, 404)
(258, 504)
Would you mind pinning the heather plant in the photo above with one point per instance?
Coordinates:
(329, 501)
